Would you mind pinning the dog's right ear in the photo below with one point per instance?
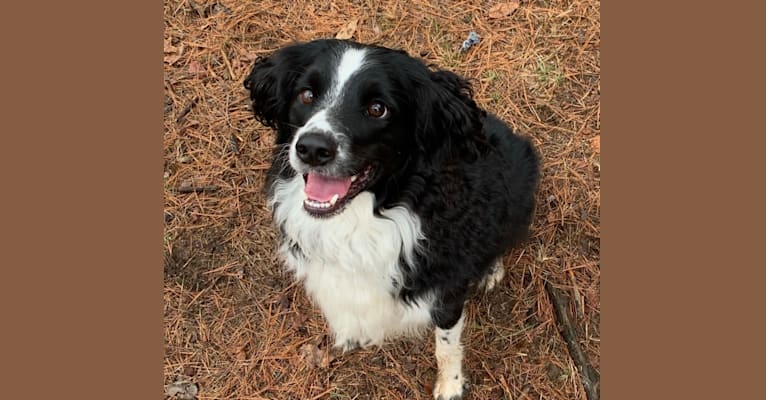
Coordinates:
(263, 84)
(272, 79)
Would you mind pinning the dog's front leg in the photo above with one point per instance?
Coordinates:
(450, 382)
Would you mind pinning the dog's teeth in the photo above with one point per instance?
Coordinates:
(353, 179)
(319, 204)
(322, 204)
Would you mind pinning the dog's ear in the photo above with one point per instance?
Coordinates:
(450, 122)
(263, 84)
(271, 80)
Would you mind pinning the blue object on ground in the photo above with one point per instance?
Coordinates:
(473, 38)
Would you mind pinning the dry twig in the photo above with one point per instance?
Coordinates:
(186, 110)
(589, 376)
(197, 189)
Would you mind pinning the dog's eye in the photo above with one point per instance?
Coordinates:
(306, 96)
(377, 109)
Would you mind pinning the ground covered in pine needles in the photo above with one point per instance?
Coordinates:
(236, 327)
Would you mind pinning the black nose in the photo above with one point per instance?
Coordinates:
(316, 149)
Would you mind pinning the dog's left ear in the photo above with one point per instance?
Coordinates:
(451, 121)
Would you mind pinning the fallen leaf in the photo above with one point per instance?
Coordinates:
(297, 320)
(503, 9)
(247, 55)
(240, 354)
(196, 68)
(190, 371)
(167, 46)
(551, 217)
(199, 9)
(313, 356)
(182, 389)
(348, 31)
(595, 144)
(172, 54)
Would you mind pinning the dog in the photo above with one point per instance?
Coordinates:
(394, 194)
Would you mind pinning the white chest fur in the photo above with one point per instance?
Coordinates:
(349, 263)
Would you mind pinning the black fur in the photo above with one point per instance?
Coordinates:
(466, 174)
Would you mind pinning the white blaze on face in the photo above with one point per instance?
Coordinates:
(349, 63)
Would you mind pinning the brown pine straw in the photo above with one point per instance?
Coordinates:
(234, 322)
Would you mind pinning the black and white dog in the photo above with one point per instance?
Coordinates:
(394, 194)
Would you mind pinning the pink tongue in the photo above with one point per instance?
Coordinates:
(322, 188)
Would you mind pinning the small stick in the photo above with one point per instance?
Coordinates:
(228, 65)
(258, 167)
(186, 110)
(590, 378)
(197, 189)
(234, 143)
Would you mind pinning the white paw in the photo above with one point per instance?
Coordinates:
(346, 346)
(497, 274)
(450, 387)
(343, 345)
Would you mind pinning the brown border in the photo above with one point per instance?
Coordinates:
(81, 298)
(679, 297)
(82, 200)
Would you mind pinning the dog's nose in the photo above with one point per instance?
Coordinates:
(316, 149)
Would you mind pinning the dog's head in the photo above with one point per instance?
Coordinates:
(355, 117)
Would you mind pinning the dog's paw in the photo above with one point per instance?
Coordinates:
(346, 346)
(451, 388)
(494, 277)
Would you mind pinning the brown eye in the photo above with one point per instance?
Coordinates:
(377, 110)
(306, 96)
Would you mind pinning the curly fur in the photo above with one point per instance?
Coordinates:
(453, 189)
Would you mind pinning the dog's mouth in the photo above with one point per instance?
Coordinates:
(325, 195)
